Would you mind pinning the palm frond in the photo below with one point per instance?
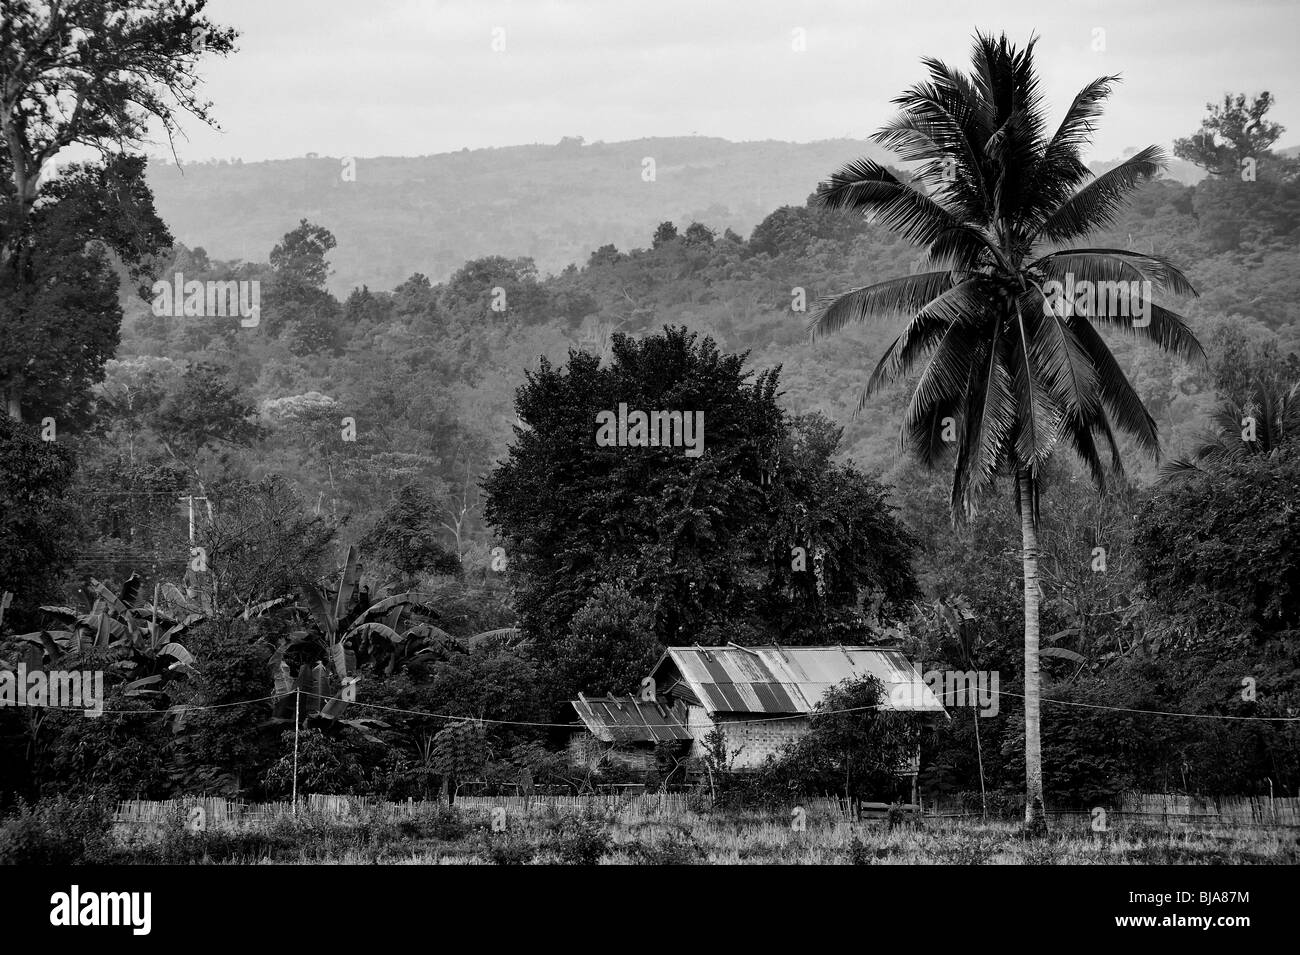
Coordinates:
(1060, 169)
(990, 420)
(940, 392)
(923, 333)
(1066, 368)
(1179, 467)
(1113, 265)
(1098, 203)
(866, 186)
(1164, 328)
(945, 124)
(1037, 417)
(1126, 409)
(889, 299)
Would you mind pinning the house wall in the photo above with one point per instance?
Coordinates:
(586, 751)
(755, 740)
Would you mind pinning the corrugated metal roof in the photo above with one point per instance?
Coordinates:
(626, 719)
(793, 679)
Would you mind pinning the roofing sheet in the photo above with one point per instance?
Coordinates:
(793, 679)
(626, 719)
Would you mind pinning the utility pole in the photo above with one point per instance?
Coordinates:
(297, 697)
(190, 499)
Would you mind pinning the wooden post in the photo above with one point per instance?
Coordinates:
(297, 696)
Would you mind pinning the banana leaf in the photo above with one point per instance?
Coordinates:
(348, 583)
(1062, 653)
(256, 610)
(365, 629)
(138, 687)
(179, 652)
(319, 607)
(66, 614)
(388, 603)
(111, 599)
(333, 708)
(345, 661)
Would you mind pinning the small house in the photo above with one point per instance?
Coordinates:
(626, 730)
(760, 696)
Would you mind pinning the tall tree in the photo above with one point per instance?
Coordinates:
(92, 73)
(746, 532)
(1013, 365)
(59, 302)
(1234, 130)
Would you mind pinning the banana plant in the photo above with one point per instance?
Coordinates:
(143, 638)
(384, 633)
(315, 694)
(377, 631)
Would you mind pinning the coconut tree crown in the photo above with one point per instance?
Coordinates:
(1003, 315)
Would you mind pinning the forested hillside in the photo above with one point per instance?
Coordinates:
(554, 203)
(433, 366)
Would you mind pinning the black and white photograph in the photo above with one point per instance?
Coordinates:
(550, 433)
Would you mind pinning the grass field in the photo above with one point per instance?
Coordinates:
(447, 837)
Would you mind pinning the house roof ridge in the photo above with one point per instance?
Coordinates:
(785, 649)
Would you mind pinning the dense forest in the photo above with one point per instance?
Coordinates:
(387, 494)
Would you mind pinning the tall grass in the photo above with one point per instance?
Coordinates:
(602, 835)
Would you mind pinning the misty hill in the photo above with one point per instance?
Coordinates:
(555, 203)
(430, 214)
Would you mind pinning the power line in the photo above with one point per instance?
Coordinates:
(765, 719)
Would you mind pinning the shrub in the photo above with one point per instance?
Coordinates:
(898, 817)
(506, 850)
(580, 841)
(859, 854)
(57, 831)
(676, 848)
(965, 848)
(444, 822)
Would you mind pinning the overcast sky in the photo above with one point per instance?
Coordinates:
(410, 77)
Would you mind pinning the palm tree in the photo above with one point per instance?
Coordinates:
(1267, 421)
(1010, 368)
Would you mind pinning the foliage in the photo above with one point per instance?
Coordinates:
(123, 64)
(611, 645)
(580, 840)
(677, 847)
(852, 746)
(407, 536)
(1220, 551)
(699, 538)
(36, 518)
(325, 765)
(1234, 130)
(57, 831)
(460, 748)
(225, 751)
(261, 543)
(505, 849)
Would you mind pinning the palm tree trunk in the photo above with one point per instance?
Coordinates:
(1035, 820)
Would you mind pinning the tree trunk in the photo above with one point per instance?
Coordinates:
(15, 402)
(1035, 820)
